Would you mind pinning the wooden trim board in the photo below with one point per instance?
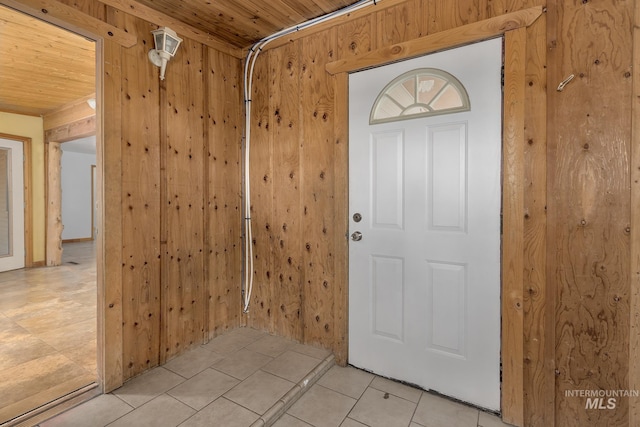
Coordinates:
(70, 131)
(72, 19)
(470, 33)
(109, 248)
(69, 113)
(341, 149)
(512, 341)
(634, 295)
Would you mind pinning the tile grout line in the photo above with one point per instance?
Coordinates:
(283, 404)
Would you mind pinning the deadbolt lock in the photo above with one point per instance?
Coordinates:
(357, 217)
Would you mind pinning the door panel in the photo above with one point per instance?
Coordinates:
(424, 280)
(387, 166)
(387, 296)
(446, 302)
(447, 177)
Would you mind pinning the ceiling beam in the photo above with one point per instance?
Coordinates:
(72, 112)
(162, 20)
(60, 14)
(75, 130)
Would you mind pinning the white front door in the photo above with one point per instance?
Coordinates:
(424, 280)
(11, 205)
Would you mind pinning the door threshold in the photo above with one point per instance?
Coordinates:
(55, 407)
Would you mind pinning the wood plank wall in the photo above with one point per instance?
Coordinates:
(589, 203)
(223, 204)
(304, 100)
(180, 147)
(177, 177)
(576, 282)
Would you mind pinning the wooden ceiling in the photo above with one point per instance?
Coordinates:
(42, 67)
(241, 23)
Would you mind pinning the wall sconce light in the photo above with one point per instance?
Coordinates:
(167, 42)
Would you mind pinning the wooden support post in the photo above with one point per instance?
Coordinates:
(54, 205)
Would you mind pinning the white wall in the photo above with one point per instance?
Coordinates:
(76, 194)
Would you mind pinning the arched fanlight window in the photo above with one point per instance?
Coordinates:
(420, 93)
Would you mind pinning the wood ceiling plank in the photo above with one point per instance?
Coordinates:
(306, 7)
(328, 6)
(276, 12)
(245, 23)
(242, 22)
(145, 12)
(235, 20)
(226, 29)
(42, 65)
(226, 26)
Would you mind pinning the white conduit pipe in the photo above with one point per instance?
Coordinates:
(250, 62)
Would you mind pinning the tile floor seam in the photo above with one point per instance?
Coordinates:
(352, 408)
(415, 410)
(120, 399)
(231, 401)
(216, 400)
(304, 354)
(240, 383)
(231, 375)
(148, 402)
(123, 415)
(300, 419)
(346, 395)
(274, 374)
(395, 395)
(339, 392)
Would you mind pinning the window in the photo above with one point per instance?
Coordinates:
(420, 93)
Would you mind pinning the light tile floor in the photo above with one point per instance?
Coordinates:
(238, 377)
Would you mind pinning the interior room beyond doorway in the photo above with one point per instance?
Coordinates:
(48, 331)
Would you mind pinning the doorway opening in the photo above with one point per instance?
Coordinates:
(48, 312)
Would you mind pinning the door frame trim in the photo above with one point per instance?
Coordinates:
(28, 202)
(109, 367)
(512, 239)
